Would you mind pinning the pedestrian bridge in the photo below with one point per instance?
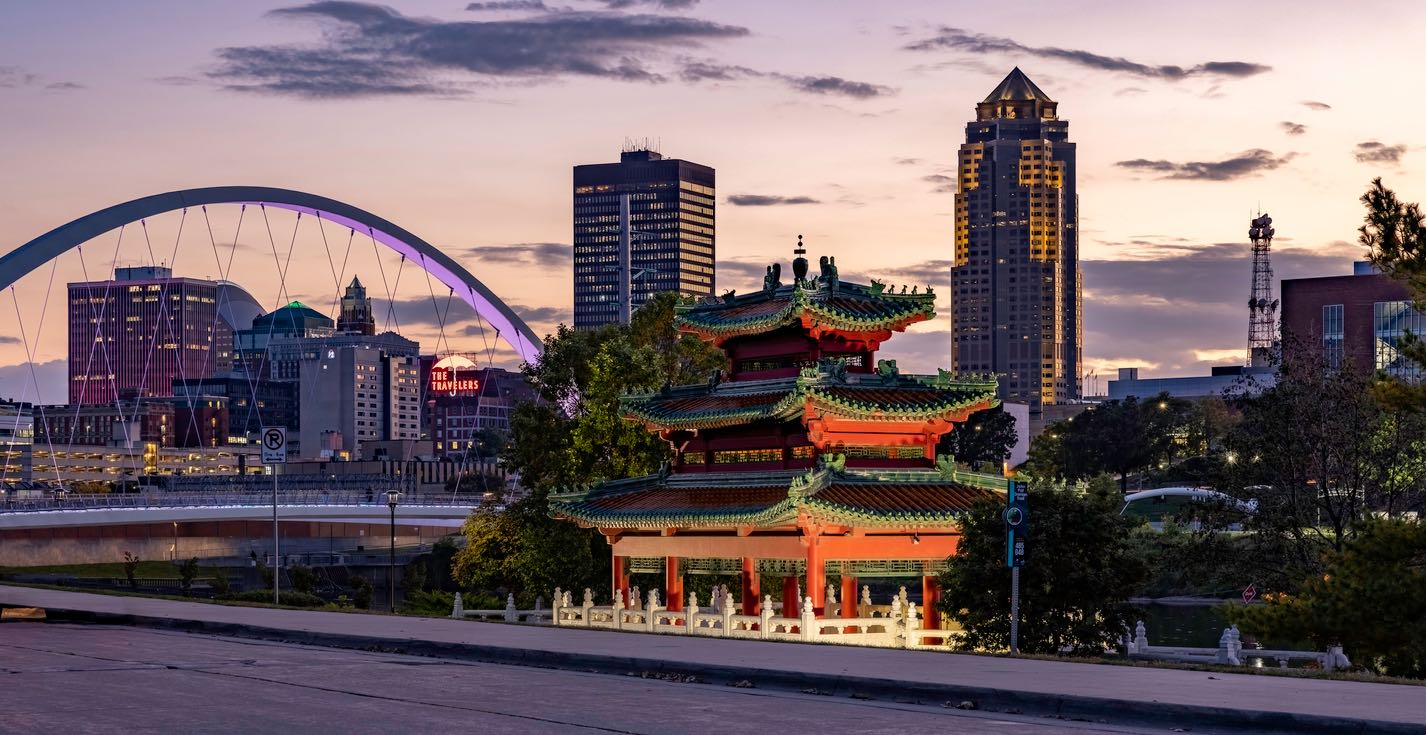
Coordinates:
(107, 510)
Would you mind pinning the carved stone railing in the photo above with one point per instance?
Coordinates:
(1230, 652)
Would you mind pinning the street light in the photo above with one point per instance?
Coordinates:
(392, 498)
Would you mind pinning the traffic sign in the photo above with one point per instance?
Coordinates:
(274, 445)
(1250, 593)
(1017, 523)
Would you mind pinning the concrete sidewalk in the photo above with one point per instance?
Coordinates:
(1054, 688)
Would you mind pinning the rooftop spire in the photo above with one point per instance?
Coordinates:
(1016, 97)
(1016, 87)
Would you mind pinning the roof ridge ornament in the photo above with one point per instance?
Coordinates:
(799, 264)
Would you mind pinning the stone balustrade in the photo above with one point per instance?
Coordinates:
(1230, 652)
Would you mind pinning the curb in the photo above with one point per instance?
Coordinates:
(1065, 707)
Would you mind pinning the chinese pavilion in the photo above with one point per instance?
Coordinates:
(810, 457)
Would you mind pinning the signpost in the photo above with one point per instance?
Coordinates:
(1250, 593)
(274, 452)
(1017, 528)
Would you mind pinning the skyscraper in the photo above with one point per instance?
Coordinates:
(356, 316)
(1015, 300)
(663, 209)
(133, 335)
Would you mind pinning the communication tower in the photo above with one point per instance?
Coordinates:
(1262, 307)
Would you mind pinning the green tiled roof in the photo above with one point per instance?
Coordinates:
(865, 498)
(847, 307)
(863, 395)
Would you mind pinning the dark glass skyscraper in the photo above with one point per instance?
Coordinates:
(1016, 282)
(670, 223)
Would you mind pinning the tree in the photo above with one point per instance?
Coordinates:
(1116, 436)
(987, 436)
(576, 435)
(187, 572)
(1395, 234)
(1079, 573)
(1371, 600)
(131, 568)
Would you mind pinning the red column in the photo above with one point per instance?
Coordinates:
(750, 592)
(816, 576)
(930, 603)
(673, 584)
(790, 606)
(621, 579)
(851, 596)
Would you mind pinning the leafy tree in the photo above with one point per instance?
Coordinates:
(1395, 234)
(131, 568)
(361, 592)
(220, 584)
(302, 578)
(574, 436)
(987, 436)
(1371, 600)
(1116, 436)
(1079, 573)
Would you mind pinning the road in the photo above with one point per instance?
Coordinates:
(87, 678)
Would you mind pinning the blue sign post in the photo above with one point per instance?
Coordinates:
(1017, 528)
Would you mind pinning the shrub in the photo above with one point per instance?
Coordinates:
(361, 592)
(434, 604)
(187, 571)
(289, 598)
(131, 568)
(220, 583)
(302, 578)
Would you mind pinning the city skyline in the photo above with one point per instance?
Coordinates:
(855, 150)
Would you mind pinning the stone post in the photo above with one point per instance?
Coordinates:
(557, 609)
(865, 610)
(808, 623)
(458, 611)
(651, 610)
(636, 601)
(730, 608)
(618, 609)
(908, 640)
(766, 616)
(690, 612)
(510, 614)
(1141, 638)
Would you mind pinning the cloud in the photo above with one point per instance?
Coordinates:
(768, 200)
(943, 182)
(744, 274)
(372, 50)
(1130, 92)
(665, 4)
(538, 254)
(1292, 128)
(959, 39)
(499, 5)
(907, 161)
(6, 339)
(712, 71)
(14, 76)
(17, 383)
(1314, 105)
(1247, 163)
(1373, 151)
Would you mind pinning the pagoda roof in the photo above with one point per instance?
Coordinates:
(829, 494)
(823, 302)
(885, 395)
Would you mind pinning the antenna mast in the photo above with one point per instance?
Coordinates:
(1262, 307)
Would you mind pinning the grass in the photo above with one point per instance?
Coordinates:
(108, 570)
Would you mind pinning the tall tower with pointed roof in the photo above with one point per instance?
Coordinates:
(1015, 306)
(356, 316)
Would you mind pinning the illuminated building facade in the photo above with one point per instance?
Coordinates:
(671, 208)
(1015, 304)
(353, 387)
(463, 400)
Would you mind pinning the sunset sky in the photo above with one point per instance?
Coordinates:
(835, 120)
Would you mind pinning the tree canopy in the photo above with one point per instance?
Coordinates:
(1395, 234)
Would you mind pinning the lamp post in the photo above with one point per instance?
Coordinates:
(392, 498)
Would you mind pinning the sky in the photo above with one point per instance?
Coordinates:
(838, 121)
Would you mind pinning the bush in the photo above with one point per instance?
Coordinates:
(361, 592)
(1074, 588)
(302, 578)
(1371, 601)
(220, 583)
(289, 598)
(131, 567)
(435, 604)
(187, 571)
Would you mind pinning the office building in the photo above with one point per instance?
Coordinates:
(353, 388)
(133, 335)
(1015, 302)
(252, 402)
(296, 321)
(463, 400)
(1354, 321)
(662, 211)
(1221, 380)
(17, 439)
(356, 316)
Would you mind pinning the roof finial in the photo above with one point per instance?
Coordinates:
(799, 264)
(799, 250)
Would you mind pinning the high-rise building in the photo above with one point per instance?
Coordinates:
(133, 335)
(463, 400)
(292, 322)
(1015, 282)
(356, 316)
(354, 389)
(663, 210)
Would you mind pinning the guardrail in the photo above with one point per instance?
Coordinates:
(209, 500)
(1230, 652)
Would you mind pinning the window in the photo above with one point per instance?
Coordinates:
(863, 452)
(804, 452)
(745, 456)
(1333, 333)
(692, 458)
(1391, 321)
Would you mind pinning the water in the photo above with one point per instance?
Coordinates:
(1199, 626)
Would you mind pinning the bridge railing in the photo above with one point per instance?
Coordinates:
(209, 500)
